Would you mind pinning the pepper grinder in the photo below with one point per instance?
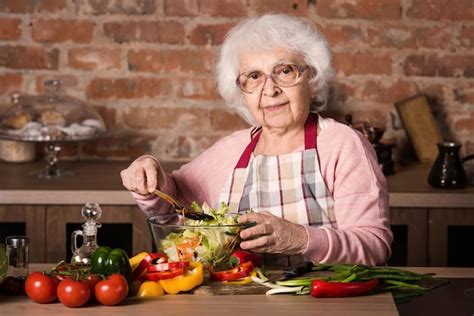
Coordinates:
(91, 212)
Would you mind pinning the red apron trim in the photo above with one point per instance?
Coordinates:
(310, 134)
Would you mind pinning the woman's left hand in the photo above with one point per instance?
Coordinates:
(273, 235)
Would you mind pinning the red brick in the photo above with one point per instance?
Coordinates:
(152, 117)
(340, 92)
(120, 145)
(343, 34)
(363, 63)
(197, 88)
(223, 120)
(441, 9)
(69, 84)
(294, 7)
(95, 58)
(10, 29)
(467, 36)
(58, 31)
(435, 66)
(169, 32)
(434, 91)
(226, 8)
(183, 60)
(465, 124)
(128, 88)
(379, 91)
(464, 93)
(364, 9)
(209, 34)
(10, 83)
(29, 6)
(130, 7)
(21, 57)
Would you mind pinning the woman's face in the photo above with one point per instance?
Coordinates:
(277, 107)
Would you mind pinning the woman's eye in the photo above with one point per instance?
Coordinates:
(254, 76)
(287, 70)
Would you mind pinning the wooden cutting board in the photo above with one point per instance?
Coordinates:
(218, 288)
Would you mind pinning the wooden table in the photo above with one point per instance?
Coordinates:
(186, 304)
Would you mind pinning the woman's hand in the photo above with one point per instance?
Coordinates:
(141, 176)
(273, 235)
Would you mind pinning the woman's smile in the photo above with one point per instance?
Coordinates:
(274, 107)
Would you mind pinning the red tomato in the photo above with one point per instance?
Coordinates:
(111, 291)
(41, 288)
(73, 293)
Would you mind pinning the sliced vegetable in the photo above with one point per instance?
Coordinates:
(165, 266)
(163, 275)
(192, 277)
(242, 256)
(241, 271)
(135, 260)
(321, 288)
(243, 281)
(146, 261)
(150, 289)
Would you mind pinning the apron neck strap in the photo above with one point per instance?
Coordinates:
(310, 134)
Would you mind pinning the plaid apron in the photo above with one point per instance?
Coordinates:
(289, 186)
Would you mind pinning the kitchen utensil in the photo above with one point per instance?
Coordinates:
(179, 208)
(448, 171)
(293, 271)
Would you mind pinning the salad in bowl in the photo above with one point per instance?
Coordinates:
(210, 242)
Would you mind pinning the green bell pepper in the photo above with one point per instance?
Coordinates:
(106, 261)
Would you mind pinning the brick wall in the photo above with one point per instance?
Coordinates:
(148, 65)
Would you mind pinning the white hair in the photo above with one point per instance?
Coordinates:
(269, 32)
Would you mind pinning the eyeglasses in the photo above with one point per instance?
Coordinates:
(285, 75)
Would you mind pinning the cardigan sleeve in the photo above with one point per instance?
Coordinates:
(362, 234)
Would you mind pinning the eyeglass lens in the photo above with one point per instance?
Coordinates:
(282, 75)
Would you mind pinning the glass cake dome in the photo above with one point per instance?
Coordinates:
(50, 118)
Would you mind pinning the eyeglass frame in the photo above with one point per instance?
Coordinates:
(301, 70)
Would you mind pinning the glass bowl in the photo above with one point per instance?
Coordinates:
(181, 241)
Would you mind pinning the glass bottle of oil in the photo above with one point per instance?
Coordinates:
(82, 255)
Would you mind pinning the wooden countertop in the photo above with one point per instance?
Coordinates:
(99, 181)
(185, 304)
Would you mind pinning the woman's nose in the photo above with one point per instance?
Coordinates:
(270, 89)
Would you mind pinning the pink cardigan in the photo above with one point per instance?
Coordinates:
(349, 167)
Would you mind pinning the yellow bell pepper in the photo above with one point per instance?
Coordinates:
(135, 260)
(192, 277)
(246, 280)
(150, 289)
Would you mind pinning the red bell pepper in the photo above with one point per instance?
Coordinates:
(320, 288)
(242, 256)
(163, 275)
(241, 271)
(143, 265)
(165, 266)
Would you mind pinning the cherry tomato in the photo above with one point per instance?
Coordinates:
(73, 293)
(41, 288)
(111, 291)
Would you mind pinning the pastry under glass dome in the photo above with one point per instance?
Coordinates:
(51, 119)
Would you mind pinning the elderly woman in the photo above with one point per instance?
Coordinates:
(314, 184)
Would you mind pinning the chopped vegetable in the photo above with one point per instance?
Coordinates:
(192, 277)
(241, 271)
(241, 256)
(201, 244)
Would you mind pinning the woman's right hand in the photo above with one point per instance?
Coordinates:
(141, 176)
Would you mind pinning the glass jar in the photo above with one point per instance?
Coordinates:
(17, 256)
